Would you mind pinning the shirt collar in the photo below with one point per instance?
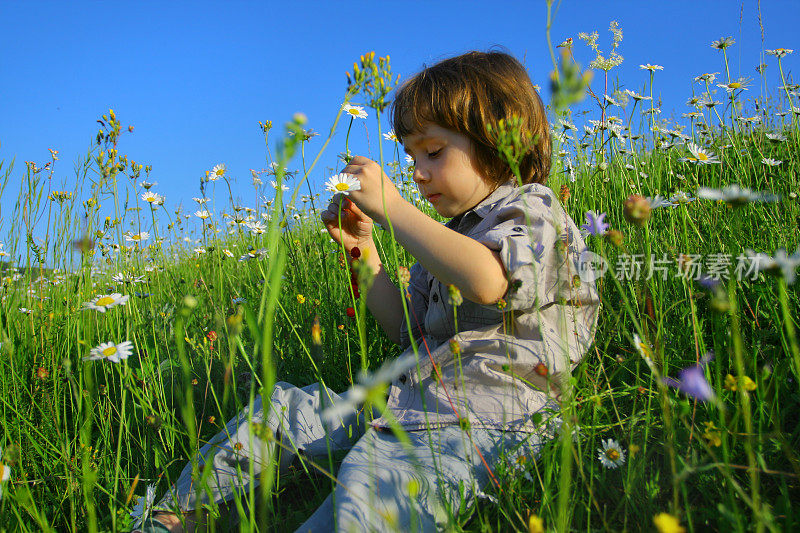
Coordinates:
(486, 205)
(482, 209)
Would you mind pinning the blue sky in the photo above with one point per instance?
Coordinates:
(194, 78)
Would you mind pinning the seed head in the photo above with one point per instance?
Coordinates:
(636, 210)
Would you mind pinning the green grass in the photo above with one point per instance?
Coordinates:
(74, 431)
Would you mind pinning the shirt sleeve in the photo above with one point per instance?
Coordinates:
(524, 232)
(417, 305)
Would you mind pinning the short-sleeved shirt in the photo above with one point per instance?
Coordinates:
(499, 364)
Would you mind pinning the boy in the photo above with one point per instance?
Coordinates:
(485, 364)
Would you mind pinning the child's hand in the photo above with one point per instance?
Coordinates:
(370, 197)
(356, 226)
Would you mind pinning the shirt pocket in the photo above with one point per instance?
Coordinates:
(474, 316)
(438, 322)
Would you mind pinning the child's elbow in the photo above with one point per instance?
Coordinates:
(489, 293)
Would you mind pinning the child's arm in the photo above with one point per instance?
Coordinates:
(450, 257)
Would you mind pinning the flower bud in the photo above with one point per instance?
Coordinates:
(189, 301)
(636, 210)
(616, 238)
(455, 295)
(565, 194)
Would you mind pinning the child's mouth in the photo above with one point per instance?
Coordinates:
(432, 197)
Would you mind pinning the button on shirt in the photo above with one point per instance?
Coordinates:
(496, 365)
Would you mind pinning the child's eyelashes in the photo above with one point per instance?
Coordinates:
(434, 154)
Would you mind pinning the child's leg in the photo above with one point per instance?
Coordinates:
(375, 490)
(295, 423)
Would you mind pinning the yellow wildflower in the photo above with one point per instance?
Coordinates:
(666, 523)
(731, 383)
(535, 524)
(301, 299)
(711, 434)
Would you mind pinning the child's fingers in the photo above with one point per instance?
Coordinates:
(356, 163)
(353, 208)
(336, 206)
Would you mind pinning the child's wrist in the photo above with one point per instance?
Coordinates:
(366, 252)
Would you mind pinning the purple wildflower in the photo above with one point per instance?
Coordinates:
(708, 282)
(595, 224)
(692, 381)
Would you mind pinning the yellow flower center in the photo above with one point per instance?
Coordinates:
(612, 454)
(342, 187)
(702, 157)
(353, 111)
(136, 237)
(105, 300)
(108, 352)
(735, 85)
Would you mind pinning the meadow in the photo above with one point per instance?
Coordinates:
(131, 331)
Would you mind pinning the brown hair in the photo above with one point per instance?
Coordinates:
(468, 92)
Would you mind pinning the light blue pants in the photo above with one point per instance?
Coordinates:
(383, 484)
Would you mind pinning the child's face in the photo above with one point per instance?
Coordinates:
(444, 172)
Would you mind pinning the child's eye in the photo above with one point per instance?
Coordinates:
(435, 153)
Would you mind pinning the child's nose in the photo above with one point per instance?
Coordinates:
(420, 175)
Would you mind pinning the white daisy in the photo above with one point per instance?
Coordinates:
(343, 183)
(106, 301)
(782, 264)
(700, 155)
(354, 111)
(735, 195)
(660, 201)
(770, 162)
(137, 237)
(721, 44)
(740, 84)
(257, 227)
(368, 385)
(111, 352)
(776, 137)
(227, 252)
(611, 455)
(202, 214)
(127, 277)
(217, 172)
(391, 136)
(708, 77)
(636, 96)
(148, 185)
(681, 198)
(5, 472)
(651, 68)
(152, 198)
(644, 350)
(200, 201)
(275, 186)
(779, 52)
